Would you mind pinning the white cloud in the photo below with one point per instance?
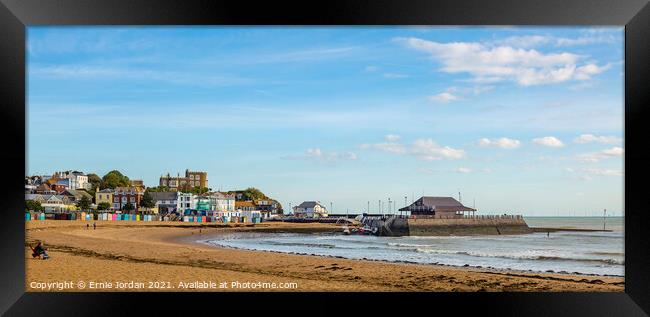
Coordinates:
(588, 138)
(444, 97)
(488, 63)
(588, 174)
(525, 41)
(387, 147)
(504, 143)
(602, 172)
(392, 137)
(423, 149)
(89, 72)
(317, 154)
(586, 40)
(463, 170)
(596, 157)
(549, 141)
(429, 150)
(587, 37)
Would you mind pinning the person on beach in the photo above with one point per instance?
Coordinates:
(39, 251)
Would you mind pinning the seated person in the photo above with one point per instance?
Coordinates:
(39, 251)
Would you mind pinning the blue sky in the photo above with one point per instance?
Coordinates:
(521, 120)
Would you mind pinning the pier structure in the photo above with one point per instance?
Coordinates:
(443, 216)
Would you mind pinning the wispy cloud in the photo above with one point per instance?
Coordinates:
(316, 154)
(549, 141)
(392, 137)
(504, 143)
(590, 138)
(443, 97)
(91, 72)
(486, 63)
(463, 170)
(588, 173)
(587, 37)
(598, 156)
(423, 149)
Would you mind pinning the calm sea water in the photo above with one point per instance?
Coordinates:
(600, 253)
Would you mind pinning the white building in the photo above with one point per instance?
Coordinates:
(310, 209)
(186, 201)
(51, 203)
(222, 202)
(73, 179)
(166, 202)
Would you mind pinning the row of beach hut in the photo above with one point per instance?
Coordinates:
(30, 216)
(221, 219)
(90, 216)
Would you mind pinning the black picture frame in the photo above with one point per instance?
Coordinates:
(16, 15)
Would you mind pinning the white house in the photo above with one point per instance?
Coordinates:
(310, 209)
(165, 201)
(51, 203)
(186, 201)
(222, 202)
(73, 179)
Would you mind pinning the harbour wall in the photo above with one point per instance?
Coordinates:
(467, 226)
(481, 225)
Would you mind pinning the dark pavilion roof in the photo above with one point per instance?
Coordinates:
(428, 203)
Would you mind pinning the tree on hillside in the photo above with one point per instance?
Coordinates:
(147, 201)
(95, 182)
(280, 210)
(114, 179)
(157, 189)
(250, 193)
(128, 207)
(83, 203)
(195, 190)
(103, 206)
(33, 205)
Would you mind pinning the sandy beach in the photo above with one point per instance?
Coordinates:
(163, 256)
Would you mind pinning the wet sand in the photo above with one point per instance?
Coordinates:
(163, 256)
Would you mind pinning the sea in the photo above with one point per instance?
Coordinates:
(589, 253)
